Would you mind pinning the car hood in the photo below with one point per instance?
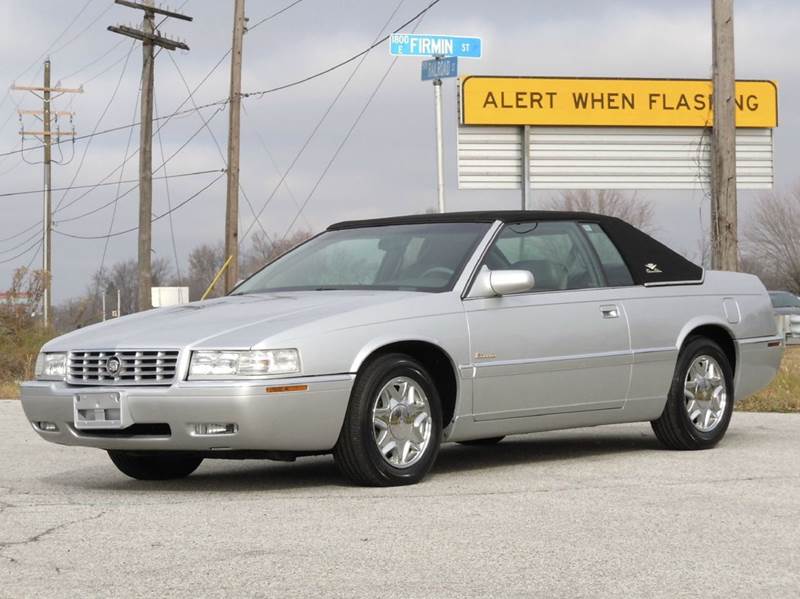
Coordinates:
(226, 323)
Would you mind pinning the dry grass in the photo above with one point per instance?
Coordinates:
(783, 395)
(9, 390)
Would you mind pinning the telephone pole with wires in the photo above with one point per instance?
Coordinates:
(150, 37)
(724, 218)
(234, 125)
(46, 136)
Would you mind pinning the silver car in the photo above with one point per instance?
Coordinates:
(379, 340)
(786, 307)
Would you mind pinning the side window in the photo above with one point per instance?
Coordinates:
(553, 251)
(617, 273)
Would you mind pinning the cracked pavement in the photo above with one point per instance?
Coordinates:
(583, 513)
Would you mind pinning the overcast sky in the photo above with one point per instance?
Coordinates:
(387, 165)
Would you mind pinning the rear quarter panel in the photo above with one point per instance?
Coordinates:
(661, 317)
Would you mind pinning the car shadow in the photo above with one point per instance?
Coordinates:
(531, 449)
(227, 476)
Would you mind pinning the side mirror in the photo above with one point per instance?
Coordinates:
(491, 283)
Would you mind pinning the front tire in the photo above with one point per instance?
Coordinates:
(155, 465)
(393, 426)
(700, 402)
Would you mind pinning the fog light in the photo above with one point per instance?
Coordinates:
(215, 429)
(48, 427)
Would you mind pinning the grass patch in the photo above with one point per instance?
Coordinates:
(783, 395)
(9, 390)
(18, 350)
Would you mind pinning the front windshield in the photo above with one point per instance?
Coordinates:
(784, 299)
(422, 257)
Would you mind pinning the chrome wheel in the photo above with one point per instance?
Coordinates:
(401, 422)
(705, 393)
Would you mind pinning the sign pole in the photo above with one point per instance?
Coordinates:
(437, 93)
(526, 167)
(445, 51)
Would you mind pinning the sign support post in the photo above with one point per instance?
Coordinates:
(526, 167)
(437, 94)
(445, 51)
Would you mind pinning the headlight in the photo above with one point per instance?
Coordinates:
(51, 367)
(225, 364)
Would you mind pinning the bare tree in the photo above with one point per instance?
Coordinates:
(610, 202)
(264, 250)
(204, 263)
(772, 240)
(123, 276)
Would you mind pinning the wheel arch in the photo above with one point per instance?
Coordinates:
(433, 356)
(718, 332)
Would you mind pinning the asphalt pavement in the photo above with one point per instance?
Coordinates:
(602, 512)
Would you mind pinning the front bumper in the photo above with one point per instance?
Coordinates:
(292, 421)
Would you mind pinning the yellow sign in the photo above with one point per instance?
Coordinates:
(609, 102)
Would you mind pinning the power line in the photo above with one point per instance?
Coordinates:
(318, 125)
(100, 57)
(166, 118)
(96, 127)
(105, 54)
(55, 41)
(274, 163)
(22, 253)
(275, 14)
(21, 243)
(169, 199)
(342, 63)
(104, 184)
(82, 31)
(33, 257)
(255, 94)
(117, 196)
(217, 144)
(20, 233)
(156, 218)
(346, 138)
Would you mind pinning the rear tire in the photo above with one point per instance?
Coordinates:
(700, 402)
(155, 465)
(479, 442)
(393, 426)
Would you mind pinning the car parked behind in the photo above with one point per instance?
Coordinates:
(786, 306)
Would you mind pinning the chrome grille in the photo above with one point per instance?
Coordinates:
(127, 367)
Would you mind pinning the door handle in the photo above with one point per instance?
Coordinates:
(610, 311)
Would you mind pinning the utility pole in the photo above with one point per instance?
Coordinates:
(46, 135)
(149, 38)
(234, 119)
(724, 220)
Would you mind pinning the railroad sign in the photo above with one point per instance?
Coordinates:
(411, 44)
(440, 68)
(609, 102)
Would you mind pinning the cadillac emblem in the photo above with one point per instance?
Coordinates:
(113, 365)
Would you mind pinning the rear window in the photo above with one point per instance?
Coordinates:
(617, 273)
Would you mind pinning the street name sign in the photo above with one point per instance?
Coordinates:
(440, 68)
(563, 101)
(411, 44)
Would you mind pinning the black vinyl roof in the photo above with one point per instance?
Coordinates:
(649, 261)
(487, 216)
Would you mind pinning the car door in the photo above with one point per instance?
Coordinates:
(561, 347)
